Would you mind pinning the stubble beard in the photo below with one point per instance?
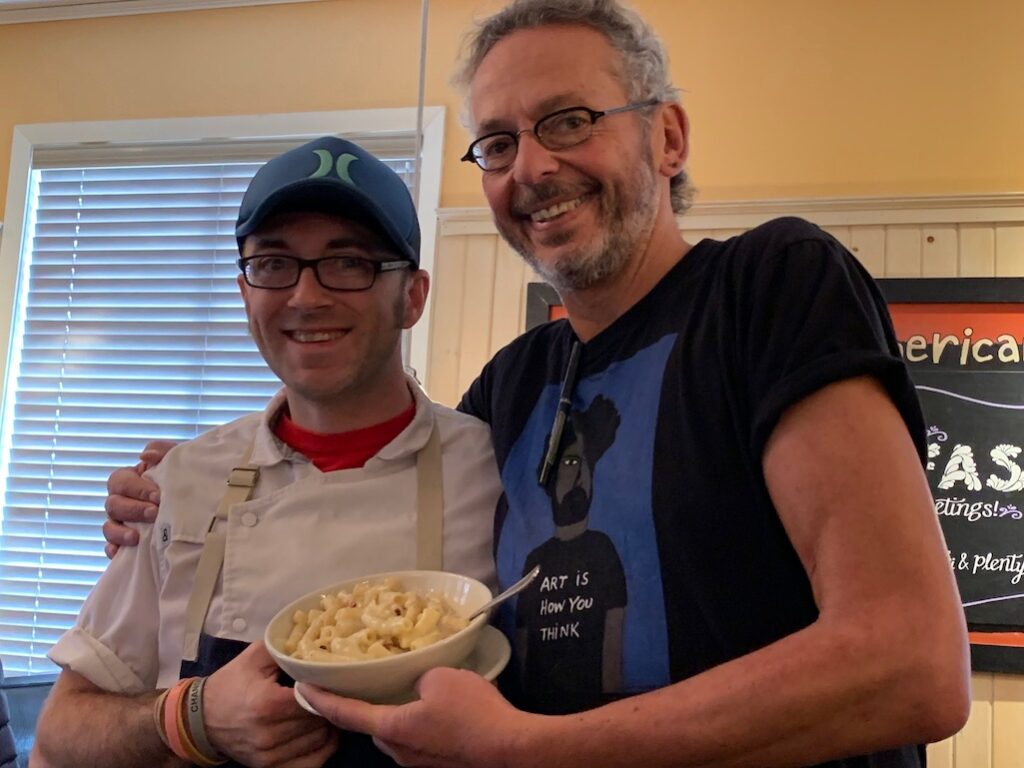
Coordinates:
(626, 221)
(361, 375)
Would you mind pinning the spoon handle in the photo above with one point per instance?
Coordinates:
(515, 589)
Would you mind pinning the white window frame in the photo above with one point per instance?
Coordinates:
(29, 139)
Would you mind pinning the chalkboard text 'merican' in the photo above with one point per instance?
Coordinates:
(962, 348)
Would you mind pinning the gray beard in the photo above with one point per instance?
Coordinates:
(596, 262)
(578, 271)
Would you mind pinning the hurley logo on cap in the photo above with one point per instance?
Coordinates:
(340, 166)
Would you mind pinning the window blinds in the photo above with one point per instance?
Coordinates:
(129, 327)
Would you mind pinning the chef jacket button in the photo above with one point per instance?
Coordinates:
(239, 625)
(249, 519)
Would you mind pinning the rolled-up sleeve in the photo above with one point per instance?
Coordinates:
(114, 640)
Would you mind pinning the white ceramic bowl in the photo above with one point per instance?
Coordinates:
(382, 680)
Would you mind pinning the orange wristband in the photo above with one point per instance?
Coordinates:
(172, 717)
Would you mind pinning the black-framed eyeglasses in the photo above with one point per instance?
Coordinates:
(336, 273)
(559, 130)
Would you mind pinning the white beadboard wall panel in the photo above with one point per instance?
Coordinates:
(941, 248)
(478, 308)
(867, 243)
(940, 755)
(529, 276)
(1007, 722)
(479, 299)
(977, 250)
(442, 376)
(903, 251)
(508, 315)
(972, 747)
(1010, 253)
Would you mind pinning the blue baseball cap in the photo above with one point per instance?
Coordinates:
(332, 175)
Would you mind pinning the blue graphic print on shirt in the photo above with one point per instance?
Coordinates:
(621, 511)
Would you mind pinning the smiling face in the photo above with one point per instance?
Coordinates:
(330, 348)
(576, 215)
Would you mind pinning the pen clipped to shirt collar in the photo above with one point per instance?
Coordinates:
(561, 413)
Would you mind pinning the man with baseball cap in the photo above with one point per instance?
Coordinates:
(349, 470)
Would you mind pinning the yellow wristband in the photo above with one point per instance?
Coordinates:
(158, 718)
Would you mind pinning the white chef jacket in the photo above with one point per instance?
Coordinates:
(301, 530)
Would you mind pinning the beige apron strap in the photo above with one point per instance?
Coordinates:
(430, 504)
(241, 483)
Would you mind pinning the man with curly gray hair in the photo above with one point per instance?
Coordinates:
(743, 574)
(642, 69)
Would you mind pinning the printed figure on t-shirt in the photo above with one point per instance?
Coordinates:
(570, 621)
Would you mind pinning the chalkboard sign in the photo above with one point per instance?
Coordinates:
(963, 342)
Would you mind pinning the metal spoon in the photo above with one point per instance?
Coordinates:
(515, 589)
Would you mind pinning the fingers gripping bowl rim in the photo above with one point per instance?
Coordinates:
(379, 680)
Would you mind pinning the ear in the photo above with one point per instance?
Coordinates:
(673, 138)
(417, 287)
(243, 288)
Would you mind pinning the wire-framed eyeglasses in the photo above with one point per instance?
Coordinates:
(559, 130)
(336, 273)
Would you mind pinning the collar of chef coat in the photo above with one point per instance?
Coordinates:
(268, 449)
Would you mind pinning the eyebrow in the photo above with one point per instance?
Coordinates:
(267, 242)
(544, 108)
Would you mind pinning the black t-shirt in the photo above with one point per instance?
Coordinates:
(562, 624)
(670, 414)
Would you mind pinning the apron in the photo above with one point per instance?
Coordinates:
(204, 654)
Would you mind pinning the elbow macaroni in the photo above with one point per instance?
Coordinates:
(370, 622)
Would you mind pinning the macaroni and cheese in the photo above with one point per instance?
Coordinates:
(370, 622)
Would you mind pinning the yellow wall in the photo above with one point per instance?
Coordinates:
(788, 98)
(801, 98)
(281, 58)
